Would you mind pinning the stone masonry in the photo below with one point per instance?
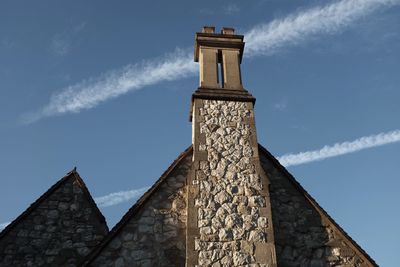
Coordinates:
(58, 230)
(304, 235)
(232, 203)
(154, 236)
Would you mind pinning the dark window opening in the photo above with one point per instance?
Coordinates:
(220, 75)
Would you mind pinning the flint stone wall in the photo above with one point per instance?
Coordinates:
(59, 232)
(156, 235)
(232, 205)
(302, 236)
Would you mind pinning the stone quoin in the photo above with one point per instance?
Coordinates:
(225, 201)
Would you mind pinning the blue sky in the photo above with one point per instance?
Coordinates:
(75, 91)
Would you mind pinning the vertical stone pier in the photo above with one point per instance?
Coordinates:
(229, 211)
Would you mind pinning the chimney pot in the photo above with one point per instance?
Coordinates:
(226, 30)
(208, 29)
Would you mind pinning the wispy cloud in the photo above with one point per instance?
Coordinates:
(60, 43)
(339, 149)
(3, 225)
(267, 39)
(264, 39)
(231, 8)
(90, 93)
(281, 105)
(119, 197)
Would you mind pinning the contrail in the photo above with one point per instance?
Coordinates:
(340, 148)
(264, 39)
(94, 91)
(267, 39)
(287, 160)
(119, 197)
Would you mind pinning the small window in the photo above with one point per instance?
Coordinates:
(220, 75)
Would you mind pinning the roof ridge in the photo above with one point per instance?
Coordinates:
(89, 197)
(71, 174)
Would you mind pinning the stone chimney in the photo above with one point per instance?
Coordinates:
(229, 211)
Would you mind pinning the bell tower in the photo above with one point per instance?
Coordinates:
(229, 212)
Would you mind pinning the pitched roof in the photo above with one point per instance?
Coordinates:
(314, 203)
(263, 151)
(73, 174)
(135, 208)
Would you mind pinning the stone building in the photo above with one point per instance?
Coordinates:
(225, 201)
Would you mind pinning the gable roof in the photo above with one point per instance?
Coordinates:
(263, 151)
(136, 207)
(314, 203)
(73, 174)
